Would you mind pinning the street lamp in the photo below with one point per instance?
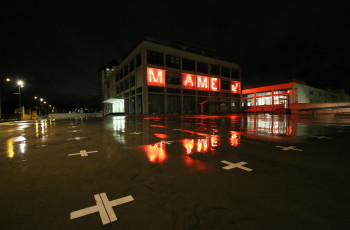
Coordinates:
(20, 84)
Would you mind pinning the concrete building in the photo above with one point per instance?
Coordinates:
(157, 78)
(281, 96)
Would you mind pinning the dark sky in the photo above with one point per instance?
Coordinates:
(57, 47)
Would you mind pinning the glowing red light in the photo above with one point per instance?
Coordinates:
(214, 84)
(202, 83)
(235, 87)
(188, 144)
(155, 77)
(161, 135)
(156, 152)
(235, 138)
(202, 145)
(188, 81)
(214, 141)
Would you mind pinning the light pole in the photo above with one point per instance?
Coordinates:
(20, 85)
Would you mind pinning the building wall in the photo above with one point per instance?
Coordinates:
(162, 99)
(308, 94)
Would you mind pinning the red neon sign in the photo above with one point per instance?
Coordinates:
(156, 77)
(188, 81)
(235, 87)
(202, 83)
(214, 84)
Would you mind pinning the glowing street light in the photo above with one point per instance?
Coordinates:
(8, 79)
(35, 97)
(41, 99)
(20, 84)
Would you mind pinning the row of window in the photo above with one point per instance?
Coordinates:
(157, 58)
(128, 68)
(154, 89)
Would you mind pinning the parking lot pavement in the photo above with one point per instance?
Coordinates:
(176, 172)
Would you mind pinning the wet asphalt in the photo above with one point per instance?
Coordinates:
(287, 172)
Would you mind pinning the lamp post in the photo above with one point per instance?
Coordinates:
(20, 85)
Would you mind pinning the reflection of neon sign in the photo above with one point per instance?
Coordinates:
(235, 87)
(235, 138)
(155, 77)
(156, 152)
(200, 145)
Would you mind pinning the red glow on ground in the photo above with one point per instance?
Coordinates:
(235, 138)
(155, 152)
(161, 135)
(159, 126)
(188, 144)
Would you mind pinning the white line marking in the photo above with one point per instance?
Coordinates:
(76, 138)
(167, 142)
(285, 148)
(82, 153)
(231, 165)
(322, 137)
(136, 133)
(74, 131)
(103, 206)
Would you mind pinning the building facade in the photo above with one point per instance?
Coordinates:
(275, 97)
(156, 78)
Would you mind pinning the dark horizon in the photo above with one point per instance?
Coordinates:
(57, 49)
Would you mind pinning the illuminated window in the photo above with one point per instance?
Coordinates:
(202, 67)
(188, 64)
(155, 58)
(172, 61)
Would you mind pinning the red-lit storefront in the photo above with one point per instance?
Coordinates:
(271, 98)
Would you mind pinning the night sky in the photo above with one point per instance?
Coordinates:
(57, 47)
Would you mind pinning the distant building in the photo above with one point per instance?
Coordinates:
(279, 96)
(156, 78)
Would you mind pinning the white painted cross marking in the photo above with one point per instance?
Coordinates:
(322, 137)
(231, 165)
(103, 206)
(76, 138)
(136, 133)
(285, 148)
(82, 153)
(74, 131)
(167, 142)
